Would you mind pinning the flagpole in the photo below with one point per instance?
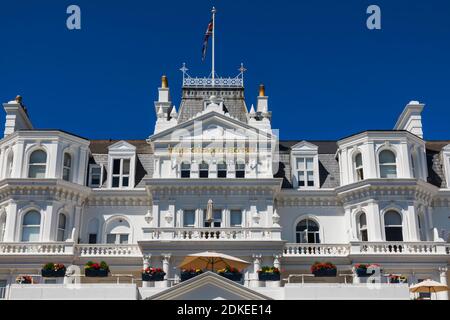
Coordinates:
(213, 71)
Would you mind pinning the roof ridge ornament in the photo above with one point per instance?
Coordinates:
(210, 82)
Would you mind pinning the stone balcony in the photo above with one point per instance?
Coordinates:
(211, 234)
(367, 248)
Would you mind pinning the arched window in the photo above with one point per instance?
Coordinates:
(359, 172)
(67, 166)
(185, 170)
(62, 220)
(38, 164)
(31, 226)
(204, 170)
(2, 226)
(222, 170)
(240, 170)
(393, 227)
(362, 227)
(388, 164)
(118, 232)
(9, 164)
(307, 231)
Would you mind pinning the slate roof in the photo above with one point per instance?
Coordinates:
(328, 165)
(192, 102)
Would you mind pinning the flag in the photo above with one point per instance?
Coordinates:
(208, 33)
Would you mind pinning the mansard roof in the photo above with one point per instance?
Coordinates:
(192, 102)
(101, 146)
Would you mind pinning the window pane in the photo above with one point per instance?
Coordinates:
(96, 170)
(392, 218)
(236, 218)
(92, 238)
(32, 218)
(124, 239)
(387, 156)
(37, 171)
(115, 182)
(310, 179)
(125, 182)
(217, 214)
(309, 163)
(189, 218)
(30, 234)
(38, 156)
(301, 163)
(111, 238)
(62, 221)
(388, 171)
(67, 160)
(126, 166)
(362, 221)
(394, 234)
(116, 166)
(60, 236)
(358, 160)
(66, 174)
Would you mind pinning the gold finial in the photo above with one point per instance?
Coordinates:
(262, 90)
(164, 82)
(19, 99)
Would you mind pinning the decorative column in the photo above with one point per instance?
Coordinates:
(443, 279)
(253, 280)
(146, 263)
(166, 264)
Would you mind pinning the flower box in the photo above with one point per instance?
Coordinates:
(153, 277)
(100, 273)
(188, 275)
(263, 276)
(325, 273)
(53, 274)
(232, 276)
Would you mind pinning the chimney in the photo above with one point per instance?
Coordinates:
(16, 116)
(263, 105)
(411, 119)
(163, 96)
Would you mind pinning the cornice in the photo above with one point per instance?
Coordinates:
(113, 197)
(26, 189)
(303, 198)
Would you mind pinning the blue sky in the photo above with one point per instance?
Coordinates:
(326, 74)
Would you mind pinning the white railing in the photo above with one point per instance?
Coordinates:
(236, 82)
(365, 248)
(400, 248)
(211, 234)
(21, 248)
(107, 250)
(308, 250)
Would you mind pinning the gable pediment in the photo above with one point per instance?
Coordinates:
(209, 127)
(121, 146)
(209, 286)
(305, 146)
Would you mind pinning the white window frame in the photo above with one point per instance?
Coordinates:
(184, 220)
(91, 167)
(316, 234)
(37, 164)
(59, 229)
(305, 149)
(242, 218)
(359, 168)
(64, 167)
(446, 161)
(117, 239)
(361, 230)
(122, 150)
(23, 226)
(388, 164)
(121, 175)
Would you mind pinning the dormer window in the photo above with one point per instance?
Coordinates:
(305, 172)
(121, 173)
(305, 165)
(203, 170)
(95, 176)
(185, 170)
(121, 165)
(359, 171)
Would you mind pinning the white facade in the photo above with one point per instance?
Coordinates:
(375, 197)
